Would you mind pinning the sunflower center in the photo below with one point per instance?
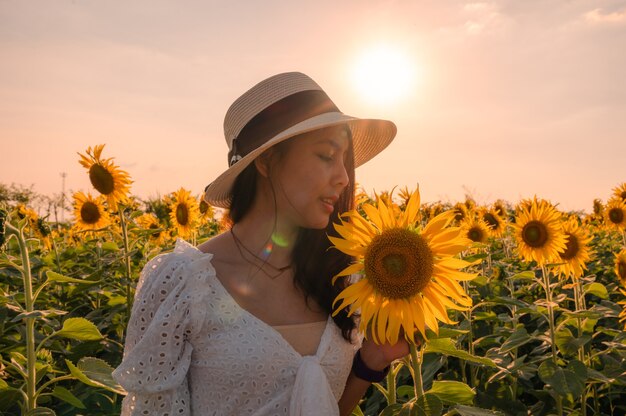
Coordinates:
(475, 234)
(155, 234)
(459, 214)
(182, 214)
(101, 179)
(535, 234)
(491, 220)
(616, 216)
(398, 263)
(89, 213)
(571, 248)
(623, 195)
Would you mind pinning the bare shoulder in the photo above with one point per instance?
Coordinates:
(216, 245)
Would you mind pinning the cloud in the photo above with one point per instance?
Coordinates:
(485, 17)
(598, 16)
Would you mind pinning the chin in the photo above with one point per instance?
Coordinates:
(319, 224)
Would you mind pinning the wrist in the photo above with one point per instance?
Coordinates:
(362, 370)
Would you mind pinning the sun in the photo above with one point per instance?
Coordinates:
(384, 74)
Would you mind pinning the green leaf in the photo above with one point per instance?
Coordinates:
(95, 372)
(516, 340)
(80, 329)
(391, 410)
(546, 371)
(527, 275)
(579, 368)
(564, 382)
(38, 314)
(453, 392)
(110, 246)
(475, 411)
(567, 344)
(405, 391)
(56, 277)
(447, 347)
(475, 257)
(427, 405)
(445, 332)
(40, 411)
(67, 396)
(117, 300)
(597, 289)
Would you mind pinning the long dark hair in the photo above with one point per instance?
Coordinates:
(315, 262)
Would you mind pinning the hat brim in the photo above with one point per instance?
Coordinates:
(369, 137)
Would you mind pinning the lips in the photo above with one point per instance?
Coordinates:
(330, 202)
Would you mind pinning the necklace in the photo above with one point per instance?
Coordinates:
(277, 271)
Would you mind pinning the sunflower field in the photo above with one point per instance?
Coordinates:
(521, 308)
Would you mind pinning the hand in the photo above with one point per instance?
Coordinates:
(378, 357)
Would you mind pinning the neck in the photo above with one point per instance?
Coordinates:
(267, 238)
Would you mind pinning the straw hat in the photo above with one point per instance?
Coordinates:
(279, 108)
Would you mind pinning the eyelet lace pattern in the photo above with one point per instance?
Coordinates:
(192, 350)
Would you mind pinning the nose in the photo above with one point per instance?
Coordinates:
(341, 177)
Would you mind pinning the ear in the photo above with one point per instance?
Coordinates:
(263, 162)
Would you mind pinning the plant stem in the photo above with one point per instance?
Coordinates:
(391, 386)
(470, 339)
(129, 298)
(31, 358)
(416, 364)
(548, 290)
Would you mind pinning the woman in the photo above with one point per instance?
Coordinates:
(242, 324)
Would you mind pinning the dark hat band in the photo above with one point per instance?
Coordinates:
(278, 117)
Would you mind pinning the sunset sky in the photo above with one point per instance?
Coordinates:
(503, 99)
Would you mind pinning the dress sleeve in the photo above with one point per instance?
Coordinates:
(157, 350)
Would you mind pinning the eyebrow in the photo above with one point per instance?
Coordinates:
(332, 142)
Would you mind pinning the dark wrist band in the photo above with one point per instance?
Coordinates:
(362, 371)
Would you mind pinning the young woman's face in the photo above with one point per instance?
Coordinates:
(310, 175)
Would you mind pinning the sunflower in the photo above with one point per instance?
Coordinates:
(31, 216)
(538, 232)
(620, 266)
(620, 191)
(361, 196)
(576, 252)
(500, 208)
(460, 211)
(615, 213)
(470, 204)
(404, 195)
(410, 275)
(206, 212)
(496, 223)
(622, 314)
(89, 212)
(158, 235)
(184, 212)
(476, 229)
(598, 208)
(106, 177)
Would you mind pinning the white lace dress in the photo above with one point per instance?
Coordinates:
(192, 350)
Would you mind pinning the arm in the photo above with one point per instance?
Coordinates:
(375, 357)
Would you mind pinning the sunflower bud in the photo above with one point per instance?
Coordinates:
(43, 228)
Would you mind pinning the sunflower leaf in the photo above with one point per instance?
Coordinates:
(596, 289)
(475, 411)
(80, 329)
(446, 346)
(453, 392)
